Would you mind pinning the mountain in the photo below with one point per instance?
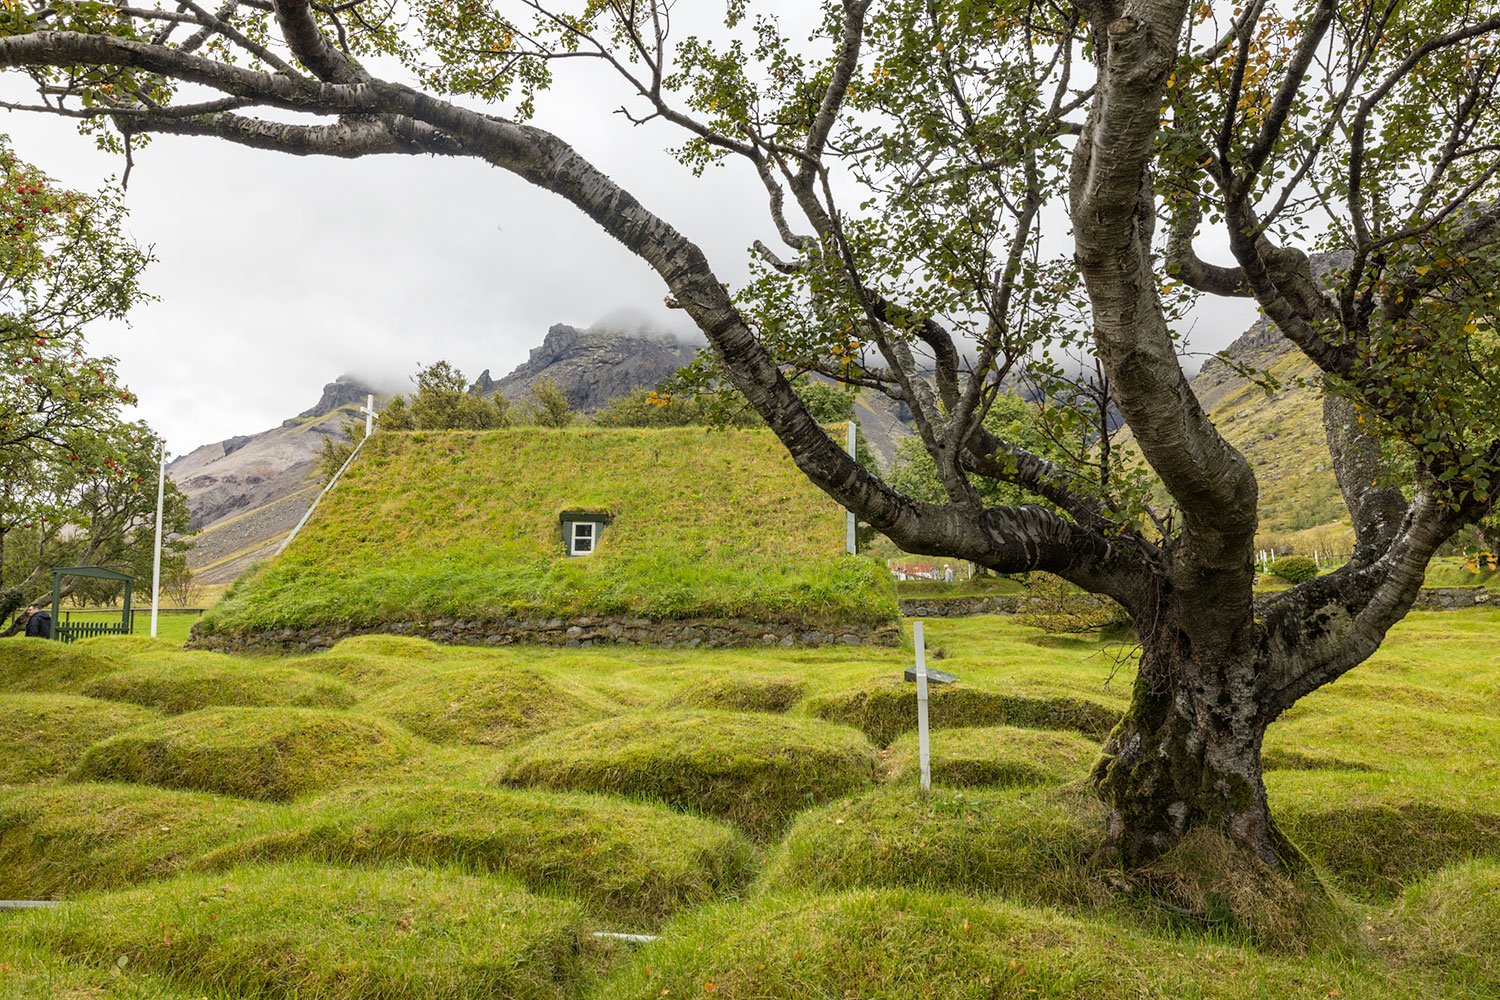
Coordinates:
(592, 367)
(244, 494)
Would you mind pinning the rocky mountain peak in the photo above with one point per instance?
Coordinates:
(342, 391)
(592, 367)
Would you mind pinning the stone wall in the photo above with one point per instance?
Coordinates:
(576, 632)
(1431, 599)
(1451, 598)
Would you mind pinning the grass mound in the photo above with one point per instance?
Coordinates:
(194, 681)
(488, 706)
(327, 933)
(65, 839)
(756, 771)
(1001, 756)
(892, 944)
(43, 735)
(1295, 760)
(743, 694)
(445, 525)
(43, 665)
(629, 861)
(32, 973)
(257, 753)
(401, 647)
(888, 708)
(1028, 845)
(1376, 849)
(1450, 923)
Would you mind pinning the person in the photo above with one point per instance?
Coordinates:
(36, 623)
(947, 574)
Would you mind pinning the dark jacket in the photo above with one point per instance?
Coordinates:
(39, 625)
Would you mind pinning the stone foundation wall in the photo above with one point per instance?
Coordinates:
(576, 632)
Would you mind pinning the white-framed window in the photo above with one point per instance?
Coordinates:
(581, 541)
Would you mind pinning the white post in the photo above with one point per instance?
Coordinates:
(161, 491)
(924, 749)
(851, 543)
(369, 414)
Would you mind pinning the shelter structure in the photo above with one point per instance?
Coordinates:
(67, 631)
(573, 536)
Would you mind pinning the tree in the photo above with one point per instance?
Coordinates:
(547, 406)
(956, 128)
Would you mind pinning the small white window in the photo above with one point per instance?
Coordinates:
(583, 538)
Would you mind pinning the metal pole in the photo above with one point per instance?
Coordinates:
(161, 491)
(851, 543)
(369, 414)
(924, 749)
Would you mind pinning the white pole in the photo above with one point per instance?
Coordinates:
(851, 544)
(369, 414)
(161, 491)
(924, 749)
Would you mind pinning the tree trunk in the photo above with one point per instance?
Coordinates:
(1187, 756)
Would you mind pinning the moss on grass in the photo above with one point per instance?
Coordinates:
(999, 756)
(258, 753)
(756, 771)
(43, 665)
(197, 681)
(1028, 845)
(630, 862)
(742, 694)
(886, 708)
(43, 735)
(899, 944)
(322, 933)
(63, 840)
(488, 706)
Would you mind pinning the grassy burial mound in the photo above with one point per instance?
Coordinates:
(62, 840)
(492, 706)
(710, 537)
(628, 861)
(330, 933)
(40, 665)
(43, 735)
(884, 709)
(999, 756)
(275, 754)
(186, 682)
(756, 771)
(742, 694)
(892, 944)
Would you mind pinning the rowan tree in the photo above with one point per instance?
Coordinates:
(919, 158)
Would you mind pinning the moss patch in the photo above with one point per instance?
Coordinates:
(67, 839)
(891, 944)
(888, 707)
(43, 735)
(494, 706)
(1000, 756)
(258, 753)
(195, 681)
(743, 694)
(1029, 845)
(629, 861)
(756, 771)
(329, 933)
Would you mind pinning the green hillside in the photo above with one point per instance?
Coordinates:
(428, 525)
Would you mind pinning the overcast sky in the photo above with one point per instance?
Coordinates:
(275, 273)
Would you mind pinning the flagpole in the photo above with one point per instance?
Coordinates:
(161, 489)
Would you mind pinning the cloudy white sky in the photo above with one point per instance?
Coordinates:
(275, 274)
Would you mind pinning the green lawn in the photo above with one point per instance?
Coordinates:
(393, 818)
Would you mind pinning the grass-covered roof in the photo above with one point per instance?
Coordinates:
(703, 524)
